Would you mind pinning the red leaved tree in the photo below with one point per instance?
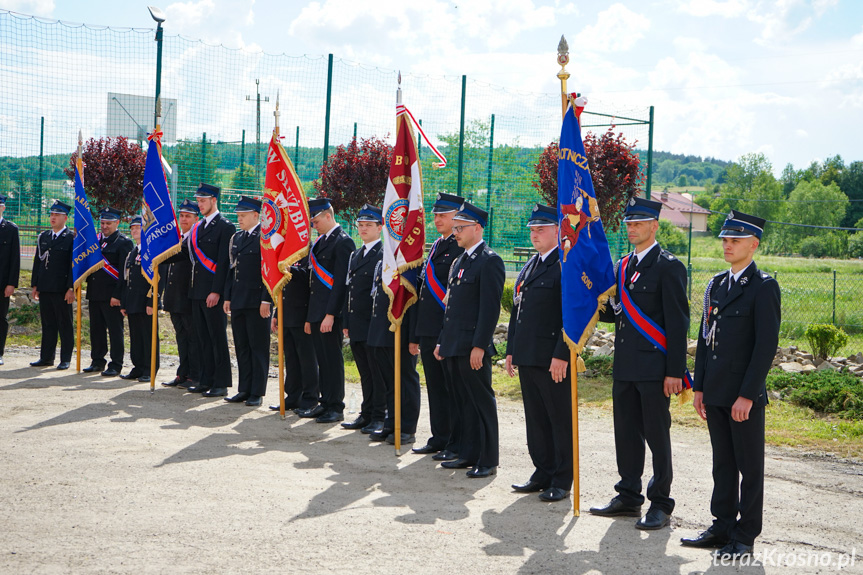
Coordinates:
(355, 175)
(614, 168)
(113, 173)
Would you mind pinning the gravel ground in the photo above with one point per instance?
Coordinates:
(100, 476)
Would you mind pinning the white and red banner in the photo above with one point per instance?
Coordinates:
(404, 222)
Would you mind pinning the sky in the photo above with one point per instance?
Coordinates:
(726, 77)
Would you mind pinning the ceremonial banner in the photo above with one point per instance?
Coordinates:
(404, 224)
(160, 235)
(587, 272)
(86, 253)
(285, 225)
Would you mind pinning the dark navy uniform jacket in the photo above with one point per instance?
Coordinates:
(333, 254)
(473, 303)
(379, 323)
(178, 279)
(10, 254)
(429, 312)
(52, 272)
(100, 285)
(136, 294)
(245, 287)
(358, 304)
(214, 241)
(535, 333)
(660, 293)
(746, 319)
(295, 295)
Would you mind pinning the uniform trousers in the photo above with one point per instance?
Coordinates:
(331, 365)
(56, 316)
(4, 323)
(252, 347)
(641, 414)
(384, 365)
(374, 405)
(187, 347)
(106, 323)
(479, 441)
(301, 369)
(141, 344)
(440, 397)
(211, 324)
(548, 419)
(738, 473)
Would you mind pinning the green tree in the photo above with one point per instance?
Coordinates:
(196, 163)
(813, 203)
(851, 183)
(244, 180)
(751, 188)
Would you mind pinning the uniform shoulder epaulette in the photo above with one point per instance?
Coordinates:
(668, 255)
(490, 251)
(765, 275)
(720, 274)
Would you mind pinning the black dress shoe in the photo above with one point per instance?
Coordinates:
(456, 464)
(312, 412)
(705, 540)
(144, 379)
(407, 438)
(652, 520)
(188, 384)
(616, 508)
(330, 417)
(445, 455)
(198, 389)
(41, 363)
(554, 494)
(479, 472)
(254, 401)
(110, 372)
(288, 407)
(733, 550)
(381, 434)
(358, 423)
(131, 375)
(92, 369)
(173, 383)
(372, 427)
(63, 365)
(530, 487)
(425, 449)
(216, 392)
(239, 398)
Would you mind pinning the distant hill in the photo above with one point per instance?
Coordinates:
(684, 170)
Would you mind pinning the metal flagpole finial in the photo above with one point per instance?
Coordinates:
(276, 112)
(158, 110)
(399, 90)
(80, 140)
(563, 75)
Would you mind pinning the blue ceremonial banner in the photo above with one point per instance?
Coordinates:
(587, 272)
(86, 253)
(160, 236)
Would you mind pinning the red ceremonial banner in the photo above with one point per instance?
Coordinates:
(285, 226)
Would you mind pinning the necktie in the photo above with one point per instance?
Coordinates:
(731, 283)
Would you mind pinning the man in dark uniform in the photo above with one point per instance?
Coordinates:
(644, 376)
(209, 251)
(381, 346)
(472, 310)
(52, 286)
(535, 344)
(329, 259)
(248, 302)
(358, 312)
(175, 300)
(10, 264)
(302, 390)
(104, 289)
(742, 312)
(137, 305)
(443, 409)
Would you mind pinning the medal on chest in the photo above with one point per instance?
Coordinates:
(634, 279)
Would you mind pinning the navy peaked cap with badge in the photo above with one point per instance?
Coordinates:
(109, 214)
(641, 210)
(543, 216)
(445, 203)
(2, 199)
(470, 213)
(60, 208)
(740, 225)
(190, 207)
(208, 191)
(136, 221)
(370, 213)
(317, 205)
(247, 204)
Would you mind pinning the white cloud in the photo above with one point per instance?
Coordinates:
(688, 44)
(617, 29)
(858, 39)
(43, 8)
(703, 8)
(213, 21)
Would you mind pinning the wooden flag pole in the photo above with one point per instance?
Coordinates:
(78, 327)
(279, 325)
(154, 342)
(398, 389)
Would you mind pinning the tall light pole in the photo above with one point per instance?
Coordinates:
(159, 17)
(258, 130)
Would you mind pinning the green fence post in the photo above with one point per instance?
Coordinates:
(243, 149)
(461, 137)
(329, 101)
(203, 165)
(41, 172)
(834, 297)
(297, 152)
(355, 131)
(650, 155)
(420, 142)
(689, 281)
(490, 224)
(490, 165)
